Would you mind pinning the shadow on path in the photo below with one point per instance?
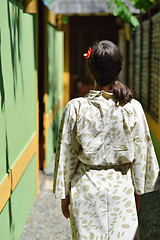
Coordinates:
(149, 216)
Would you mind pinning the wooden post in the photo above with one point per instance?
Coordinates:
(41, 80)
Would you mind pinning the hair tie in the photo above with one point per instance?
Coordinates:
(87, 55)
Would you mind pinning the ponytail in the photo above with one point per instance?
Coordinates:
(121, 93)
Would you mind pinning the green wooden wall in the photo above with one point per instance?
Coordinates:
(17, 111)
(16, 211)
(55, 68)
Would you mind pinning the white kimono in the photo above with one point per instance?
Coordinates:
(104, 157)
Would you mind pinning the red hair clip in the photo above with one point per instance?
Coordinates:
(87, 55)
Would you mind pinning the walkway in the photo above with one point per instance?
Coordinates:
(46, 221)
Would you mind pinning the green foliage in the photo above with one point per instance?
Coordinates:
(143, 5)
(119, 8)
(65, 19)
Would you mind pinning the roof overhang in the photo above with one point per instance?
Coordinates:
(85, 7)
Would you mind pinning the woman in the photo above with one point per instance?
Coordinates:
(105, 155)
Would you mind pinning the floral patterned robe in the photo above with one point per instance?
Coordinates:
(104, 157)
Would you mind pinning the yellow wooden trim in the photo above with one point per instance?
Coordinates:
(11, 180)
(5, 191)
(30, 6)
(50, 117)
(23, 161)
(59, 22)
(49, 16)
(154, 127)
(66, 77)
(66, 65)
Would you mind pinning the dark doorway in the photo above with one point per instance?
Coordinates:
(84, 31)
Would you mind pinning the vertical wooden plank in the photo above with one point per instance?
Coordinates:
(127, 64)
(52, 81)
(127, 52)
(140, 72)
(137, 64)
(133, 68)
(41, 81)
(131, 64)
(154, 80)
(144, 63)
(149, 61)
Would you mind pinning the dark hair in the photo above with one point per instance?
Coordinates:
(105, 64)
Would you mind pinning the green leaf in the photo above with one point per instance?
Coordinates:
(119, 8)
(115, 11)
(143, 5)
(134, 21)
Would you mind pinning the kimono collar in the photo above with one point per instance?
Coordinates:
(95, 93)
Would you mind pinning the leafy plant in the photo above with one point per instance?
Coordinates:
(143, 5)
(119, 8)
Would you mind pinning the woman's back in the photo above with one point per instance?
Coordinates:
(104, 130)
(104, 154)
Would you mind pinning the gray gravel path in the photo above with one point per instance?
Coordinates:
(46, 221)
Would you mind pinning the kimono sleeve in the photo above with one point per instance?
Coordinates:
(66, 159)
(145, 169)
